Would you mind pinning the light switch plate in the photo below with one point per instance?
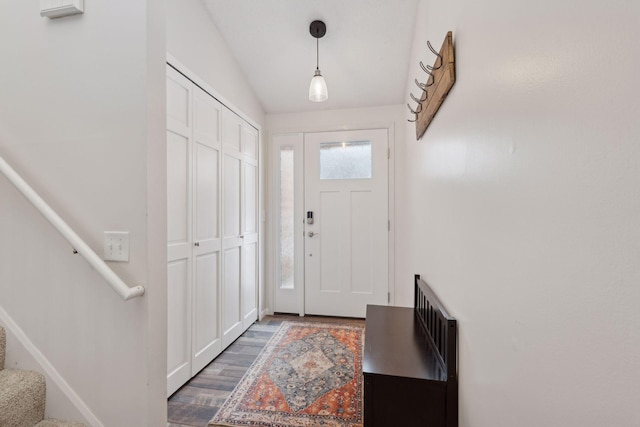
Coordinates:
(59, 8)
(116, 246)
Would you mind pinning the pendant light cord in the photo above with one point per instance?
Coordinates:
(317, 53)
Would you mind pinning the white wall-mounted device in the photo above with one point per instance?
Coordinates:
(59, 8)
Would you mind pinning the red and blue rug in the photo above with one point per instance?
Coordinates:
(307, 375)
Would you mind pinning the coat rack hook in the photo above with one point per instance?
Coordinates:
(435, 53)
(427, 69)
(420, 85)
(416, 112)
(419, 101)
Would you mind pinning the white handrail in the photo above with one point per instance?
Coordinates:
(76, 242)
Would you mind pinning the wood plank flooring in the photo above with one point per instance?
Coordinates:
(199, 400)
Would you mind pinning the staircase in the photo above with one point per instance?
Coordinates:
(22, 396)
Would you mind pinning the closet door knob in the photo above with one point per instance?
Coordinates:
(196, 244)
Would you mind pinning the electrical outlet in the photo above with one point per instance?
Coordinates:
(116, 246)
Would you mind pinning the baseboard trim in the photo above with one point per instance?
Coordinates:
(263, 313)
(48, 368)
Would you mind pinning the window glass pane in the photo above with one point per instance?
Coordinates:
(286, 218)
(345, 160)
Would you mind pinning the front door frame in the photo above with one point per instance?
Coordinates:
(273, 238)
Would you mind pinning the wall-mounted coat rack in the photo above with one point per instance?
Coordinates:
(441, 77)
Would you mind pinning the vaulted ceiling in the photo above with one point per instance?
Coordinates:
(363, 56)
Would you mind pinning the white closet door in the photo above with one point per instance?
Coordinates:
(179, 316)
(232, 319)
(207, 340)
(249, 223)
(212, 209)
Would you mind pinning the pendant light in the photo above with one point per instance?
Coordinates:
(318, 88)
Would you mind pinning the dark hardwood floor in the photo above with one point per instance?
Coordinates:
(197, 401)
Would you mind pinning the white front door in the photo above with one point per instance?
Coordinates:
(346, 243)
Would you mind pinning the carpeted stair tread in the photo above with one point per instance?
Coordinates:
(22, 398)
(3, 346)
(57, 423)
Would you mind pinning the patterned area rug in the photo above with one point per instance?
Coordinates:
(307, 375)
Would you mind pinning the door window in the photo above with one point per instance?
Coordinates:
(345, 160)
(287, 241)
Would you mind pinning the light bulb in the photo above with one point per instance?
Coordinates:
(318, 88)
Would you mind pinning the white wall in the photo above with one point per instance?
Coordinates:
(82, 119)
(391, 117)
(520, 206)
(196, 43)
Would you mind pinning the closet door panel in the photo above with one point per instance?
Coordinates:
(178, 199)
(249, 138)
(206, 118)
(179, 291)
(250, 199)
(207, 339)
(206, 193)
(178, 99)
(206, 332)
(232, 227)
(249, 284)
(179, 324)
(250, 241)
(231, 128)
(231, 308)
(231, 200)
